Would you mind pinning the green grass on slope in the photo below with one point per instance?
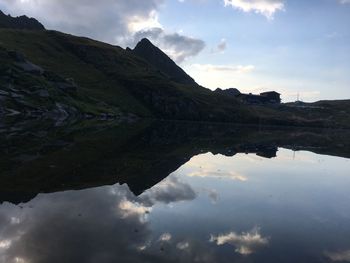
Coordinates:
(58, 52)
(119, 78)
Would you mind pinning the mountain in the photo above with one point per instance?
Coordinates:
(21, 22)
(109, 80)
(162, 62)
(122, 79)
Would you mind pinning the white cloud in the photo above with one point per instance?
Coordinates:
(265, 7)
(245, 243)
(344, 1)
(218, 174)
(224, 68)
(342, 256)
(5, 244)
(168, 191)
(166, 237)
(128, 208)
(183, 245)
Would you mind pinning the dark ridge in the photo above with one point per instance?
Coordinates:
(229, 92)
(162, 62)
(21, 22)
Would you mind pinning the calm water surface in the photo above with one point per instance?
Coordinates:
(245, 208)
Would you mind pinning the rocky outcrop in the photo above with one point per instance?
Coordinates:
(232, 92)
(21, 22)
(162, 62)
(28, 91)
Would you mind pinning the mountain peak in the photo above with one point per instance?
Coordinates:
(21, 22)
(157, 58)
(145, 41)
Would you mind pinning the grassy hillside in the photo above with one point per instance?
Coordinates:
(120, 78)
(28, 91)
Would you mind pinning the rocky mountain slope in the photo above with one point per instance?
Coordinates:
(121, 78)
(28, 91)
(162, 62)
(21, 22)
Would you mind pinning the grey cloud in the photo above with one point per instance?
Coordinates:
(222, 45)
(245, 243)
(90, 226)
(169, 191)
(106, 20)
(113, 21)
(177, 46)
(339, 256)
(84, 226)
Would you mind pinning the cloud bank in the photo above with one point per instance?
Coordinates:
(245, 243)
(265, 7)
(239, 69)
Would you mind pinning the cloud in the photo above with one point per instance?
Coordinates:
(166, 237)
(119, 22)
(212, 194)
(221, 46)
(128, 208)
(168, 191)
(342, 256)
(218, 174)
(82, 226)
(178, 47)
(265, 7)
(344, 1)
(183, 245)
(224, 68)
(95, 225)
(245, 243)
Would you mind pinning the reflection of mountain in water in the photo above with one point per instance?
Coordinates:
(45, 159)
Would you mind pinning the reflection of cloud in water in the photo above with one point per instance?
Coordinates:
(168, 191)
(95, 225)
(213, 195)
(128, 208)
(245, 243)
(340, 256)
(166, 237)
(219, 174)
(5, 244)
(84, 226)
(183, 245)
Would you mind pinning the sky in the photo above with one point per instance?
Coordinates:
(290, 46)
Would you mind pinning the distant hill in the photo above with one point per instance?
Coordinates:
(21, 22)
(162, 62)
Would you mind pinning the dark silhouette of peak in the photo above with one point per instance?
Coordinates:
(21, 22)
(162, 62)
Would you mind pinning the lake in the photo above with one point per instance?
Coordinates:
(173, 192)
